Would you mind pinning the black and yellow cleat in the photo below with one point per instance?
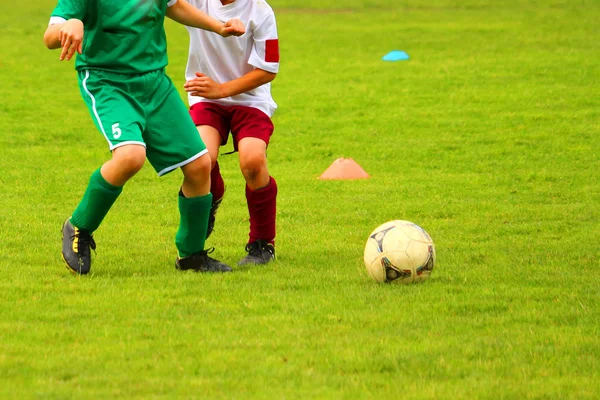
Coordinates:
(76, 245)
(201, 262)
(259, 252)
(212, 216)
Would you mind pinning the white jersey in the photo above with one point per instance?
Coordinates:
(225, 59)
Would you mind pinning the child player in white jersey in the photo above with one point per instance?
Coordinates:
(229, 91)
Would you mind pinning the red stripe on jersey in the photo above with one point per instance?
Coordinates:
(272, 50)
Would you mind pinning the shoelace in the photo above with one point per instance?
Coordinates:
(203, 255)
(256, 248)
(85, 241)
(208, 261)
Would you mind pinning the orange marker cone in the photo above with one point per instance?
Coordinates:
(344, 168)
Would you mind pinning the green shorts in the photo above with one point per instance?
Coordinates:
(142, 109)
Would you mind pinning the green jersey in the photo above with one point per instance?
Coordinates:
(123, 36)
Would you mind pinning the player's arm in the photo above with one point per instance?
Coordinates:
(204, 86)
(65, 29)
(186, 14)
(68, 35)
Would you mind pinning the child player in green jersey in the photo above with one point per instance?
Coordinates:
(122, 53)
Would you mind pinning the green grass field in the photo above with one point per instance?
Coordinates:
(488, 137)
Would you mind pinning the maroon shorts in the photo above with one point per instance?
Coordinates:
(241, 121)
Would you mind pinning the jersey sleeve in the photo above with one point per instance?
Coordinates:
(68, 9)
(171, 3)
(265, 51)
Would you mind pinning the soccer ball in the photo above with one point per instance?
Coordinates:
(400, 252)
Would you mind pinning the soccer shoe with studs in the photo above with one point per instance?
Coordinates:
(259, 252)
(212, 216)
(76, 248)
(201, 262)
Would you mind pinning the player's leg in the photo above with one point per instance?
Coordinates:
(126, 161)
(173, 142)
(196, 177)
(195, 201)
(252, 131)
(253, 162)
(212, 121)
(117, 118)
(211, 137)
(105, 185)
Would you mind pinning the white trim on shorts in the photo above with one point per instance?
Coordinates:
(181, 164)
(98, 120)
(128, 142)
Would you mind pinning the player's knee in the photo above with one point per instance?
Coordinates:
(130, 159)
(252, 165)
(199, 169)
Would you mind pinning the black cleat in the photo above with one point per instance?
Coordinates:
(211, 217)
(201, 262)
(259, 252)
(76, 245)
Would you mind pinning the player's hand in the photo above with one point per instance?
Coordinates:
(71, 38)
(203, 86)
(233, 27)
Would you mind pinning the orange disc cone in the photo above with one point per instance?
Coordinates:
(344, 168)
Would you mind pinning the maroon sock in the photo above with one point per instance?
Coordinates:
(262, 209)
(217, 186)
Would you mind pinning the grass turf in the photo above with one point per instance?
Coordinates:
(487, 137)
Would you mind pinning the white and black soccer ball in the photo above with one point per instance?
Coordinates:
(401, 252)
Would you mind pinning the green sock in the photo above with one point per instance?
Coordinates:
(97, 200)
(191, 235)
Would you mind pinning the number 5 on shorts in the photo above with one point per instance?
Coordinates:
(116, 131)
